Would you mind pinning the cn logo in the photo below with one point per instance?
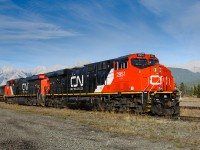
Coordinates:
(76, 80)
(25, 86)
(155, 80)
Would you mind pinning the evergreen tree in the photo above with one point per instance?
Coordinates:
(191, 91)
(195, 90)
(182, 88)
(198, 91)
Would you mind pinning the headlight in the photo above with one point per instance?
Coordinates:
(159, 88)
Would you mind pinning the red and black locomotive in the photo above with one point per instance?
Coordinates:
(132, 83)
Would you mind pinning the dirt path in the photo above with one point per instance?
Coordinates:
(22, 131)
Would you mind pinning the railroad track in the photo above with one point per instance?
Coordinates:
(190, 107)
(189, 118)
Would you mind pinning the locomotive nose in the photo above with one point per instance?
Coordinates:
(161, 76)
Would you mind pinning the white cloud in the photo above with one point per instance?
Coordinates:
(165, 7)
(22, 26)
(99, 16)
(8, 5)
(16, 29)
(179, 19)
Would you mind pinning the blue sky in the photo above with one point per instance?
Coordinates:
(66, 32)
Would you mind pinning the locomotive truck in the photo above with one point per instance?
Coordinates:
(132, 83)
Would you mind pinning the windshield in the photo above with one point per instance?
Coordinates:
(143, 63)
(139, 63)
(153, 62)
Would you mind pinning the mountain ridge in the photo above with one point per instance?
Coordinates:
(186, 76)
(191, 65)
(9, 72)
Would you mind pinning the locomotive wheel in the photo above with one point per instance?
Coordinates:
(5, 99)
(139, 109)
(102, 105)
(62, 103)
(55, 104)
(29, 102)
(108, 107)
(123, 109)
(176, 110)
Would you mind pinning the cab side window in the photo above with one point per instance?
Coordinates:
(121, 64)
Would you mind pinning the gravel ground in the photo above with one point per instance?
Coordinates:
(190, 101)
(192, 104)
(22, 131)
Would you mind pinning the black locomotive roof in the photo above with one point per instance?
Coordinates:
(34, 77)
(65, 71)
(57, 73)
(109, 60)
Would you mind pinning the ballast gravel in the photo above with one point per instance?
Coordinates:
(29, 131)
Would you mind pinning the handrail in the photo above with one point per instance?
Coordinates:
(149, 90)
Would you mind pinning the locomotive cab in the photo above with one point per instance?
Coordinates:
(157, 82)
(152, 75)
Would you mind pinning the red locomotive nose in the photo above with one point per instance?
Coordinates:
(162, 78)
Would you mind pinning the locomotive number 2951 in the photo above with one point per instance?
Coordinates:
(121, 74)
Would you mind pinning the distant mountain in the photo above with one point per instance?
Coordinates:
(42, 69)
(186, 76)
(188, 73)
(8, 72)
(193, 66)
